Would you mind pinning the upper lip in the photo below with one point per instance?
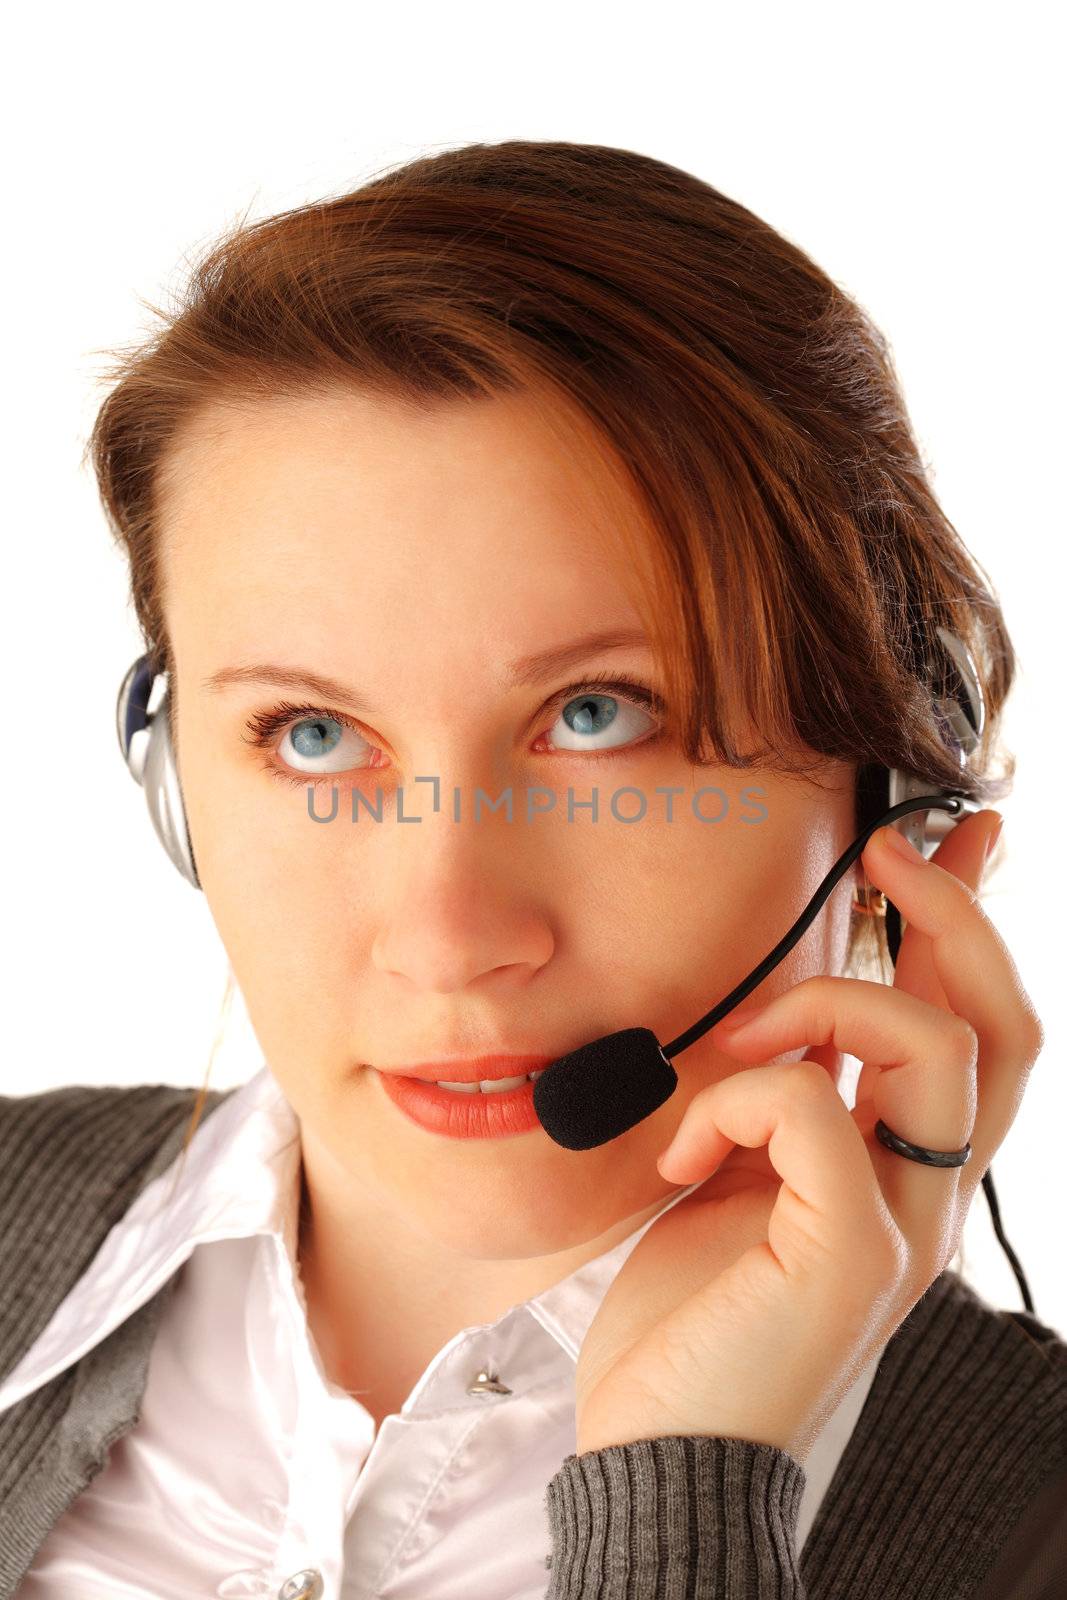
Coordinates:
(472, 1069)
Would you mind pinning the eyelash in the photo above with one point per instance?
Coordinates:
(263, 727)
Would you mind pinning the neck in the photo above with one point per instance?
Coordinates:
(383, 1298)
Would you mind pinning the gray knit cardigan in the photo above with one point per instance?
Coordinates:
(953, 1483)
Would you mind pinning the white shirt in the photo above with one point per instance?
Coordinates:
(248, 1466)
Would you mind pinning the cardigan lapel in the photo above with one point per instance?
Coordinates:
(77, 1416)
(55, 1440)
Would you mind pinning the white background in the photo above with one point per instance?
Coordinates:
(912, 150)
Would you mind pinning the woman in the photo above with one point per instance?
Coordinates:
(542, 469)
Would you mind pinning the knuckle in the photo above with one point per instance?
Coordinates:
(955, 1240)
(935, 1250)
(927, 1263)
(807, 1081)
(819, 983)
(889, 1257)
(810, 982)
(884, 1266)
(964, 1039)
(971, 896)
(1034, 1034)
(818, 992)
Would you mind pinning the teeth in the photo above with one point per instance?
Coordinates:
(491, 1086)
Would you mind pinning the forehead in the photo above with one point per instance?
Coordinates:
(473, 501)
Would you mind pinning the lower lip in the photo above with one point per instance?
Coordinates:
(463, 1116)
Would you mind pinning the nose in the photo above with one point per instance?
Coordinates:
(459, 908)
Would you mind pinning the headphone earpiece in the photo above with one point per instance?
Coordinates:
(145, 742)
(959, 705)
(959, 710)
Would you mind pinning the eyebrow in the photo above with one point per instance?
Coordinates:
(524, 672)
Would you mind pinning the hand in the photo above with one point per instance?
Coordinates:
(749, 1308)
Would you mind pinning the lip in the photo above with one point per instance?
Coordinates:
(499, 1114)
(472, 1069)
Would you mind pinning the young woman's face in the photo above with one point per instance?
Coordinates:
(414, 559)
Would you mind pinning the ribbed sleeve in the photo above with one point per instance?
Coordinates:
(676, 1516)
(963, 1434)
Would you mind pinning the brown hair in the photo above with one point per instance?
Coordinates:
(744, 403)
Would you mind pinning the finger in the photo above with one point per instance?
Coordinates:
(830, 1211)
(924, 1062)
(962, 852)
(977, 975)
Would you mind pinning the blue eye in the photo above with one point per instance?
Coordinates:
(316, 737)
(606, 718)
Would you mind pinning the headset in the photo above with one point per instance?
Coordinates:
(144, 735)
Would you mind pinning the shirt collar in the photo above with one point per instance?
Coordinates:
(241, 1177)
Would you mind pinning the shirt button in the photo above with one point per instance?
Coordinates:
(305, 1585)
(486, 1381)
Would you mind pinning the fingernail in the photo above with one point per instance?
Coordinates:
(993, 837)
(661, 1158)
(740, 1018)
(902, 846)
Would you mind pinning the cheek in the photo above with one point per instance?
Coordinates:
(261, 855)
(709, 902)
(663, 917)
(289, 902)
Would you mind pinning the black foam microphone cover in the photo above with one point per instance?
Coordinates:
(610, 1084)
(601, 1089)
